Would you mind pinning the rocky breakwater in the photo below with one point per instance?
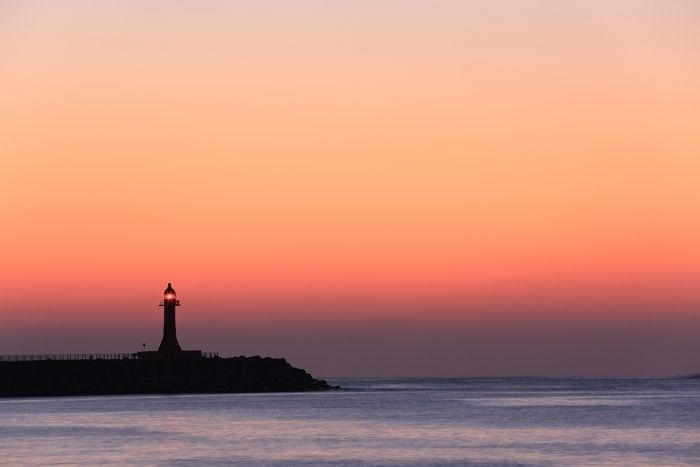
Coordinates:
(154, 376)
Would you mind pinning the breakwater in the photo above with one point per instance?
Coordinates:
(40, 378)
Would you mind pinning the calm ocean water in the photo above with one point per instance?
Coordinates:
(403, 422)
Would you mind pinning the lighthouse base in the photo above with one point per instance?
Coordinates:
(159, 355)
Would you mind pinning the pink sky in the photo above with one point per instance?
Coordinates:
(389, 188)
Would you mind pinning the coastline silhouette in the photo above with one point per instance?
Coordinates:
(168, 370)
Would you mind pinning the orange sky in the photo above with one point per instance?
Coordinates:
(506, 160)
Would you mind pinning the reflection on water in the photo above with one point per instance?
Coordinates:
(385, 422)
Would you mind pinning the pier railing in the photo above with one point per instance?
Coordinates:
(82, 356)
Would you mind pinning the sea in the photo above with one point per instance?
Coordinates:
(371, 421)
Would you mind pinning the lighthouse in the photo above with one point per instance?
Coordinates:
(169, 348)
(170, 302)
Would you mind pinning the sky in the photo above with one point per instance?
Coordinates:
(367, 188)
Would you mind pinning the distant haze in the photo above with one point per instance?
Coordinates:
(368, 188)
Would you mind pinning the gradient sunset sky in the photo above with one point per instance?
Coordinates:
(456, 188)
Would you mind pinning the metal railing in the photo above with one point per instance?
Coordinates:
(74, 356)
(82, 356)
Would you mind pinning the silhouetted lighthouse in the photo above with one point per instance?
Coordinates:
(170, 301)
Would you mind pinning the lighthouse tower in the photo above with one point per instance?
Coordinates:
(170, 302)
